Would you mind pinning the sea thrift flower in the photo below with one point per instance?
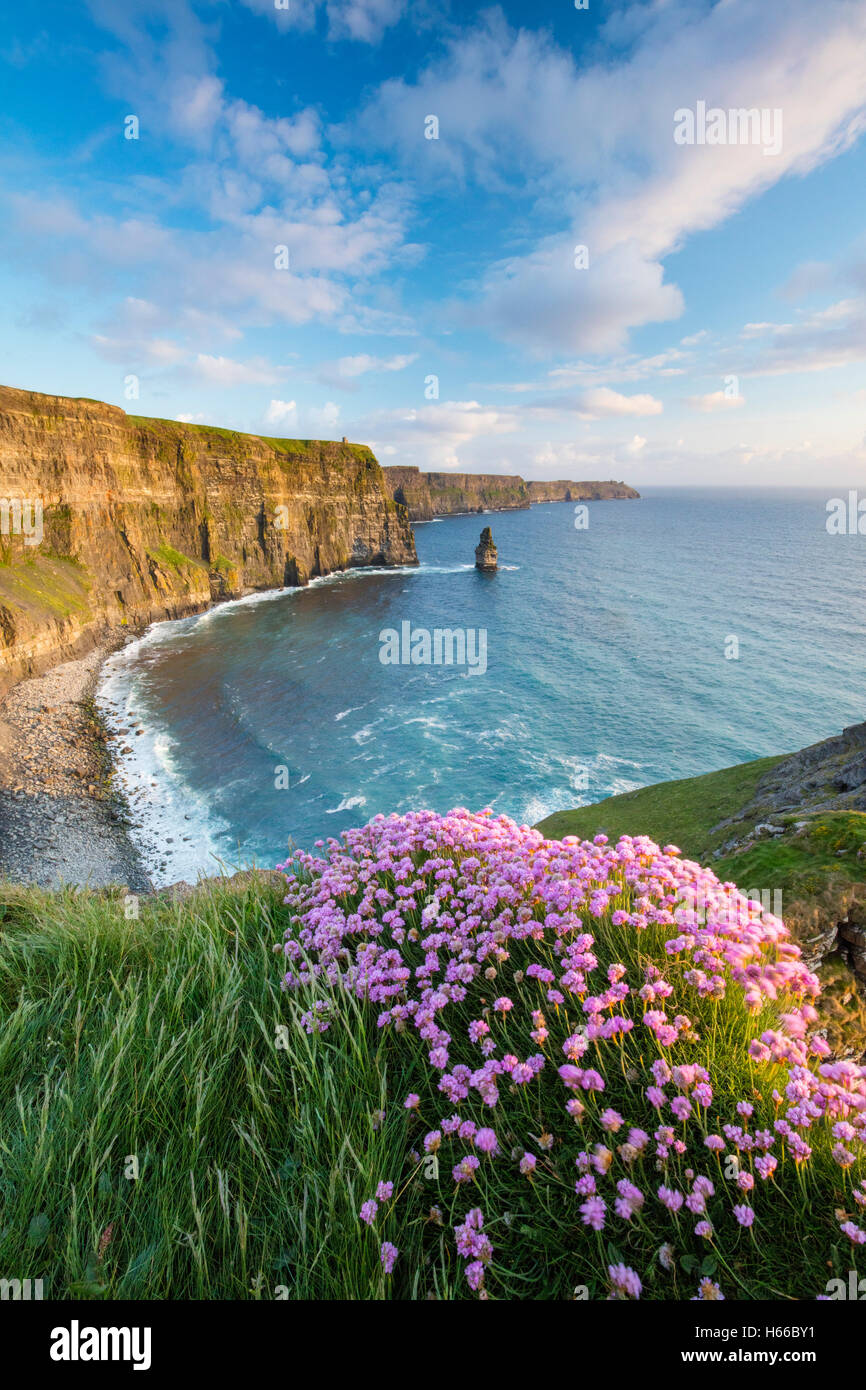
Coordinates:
(592, 1212)
(464, 1171)
(388, 1255)
(708, 1292)
(512, 906)
(626, 1283)
(671, 1199)
(486, 1141)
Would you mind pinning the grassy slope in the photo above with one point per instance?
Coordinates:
(813, 865)
(814, 846)
(168, 1038)
(159, 1038)
(681, 812)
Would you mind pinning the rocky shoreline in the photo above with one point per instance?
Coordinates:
(61, 820)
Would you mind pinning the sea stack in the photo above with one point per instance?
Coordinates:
(485, 552)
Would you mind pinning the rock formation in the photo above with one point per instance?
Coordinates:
(426, 495)
(485, 552)
(145, 519)
(564, 491)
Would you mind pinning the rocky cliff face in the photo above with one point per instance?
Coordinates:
(146, 519)
(426, 495)
(564, 491)
(445, 494)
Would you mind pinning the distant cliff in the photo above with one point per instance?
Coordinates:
(445, 494)
(564, 491)
(145, 519)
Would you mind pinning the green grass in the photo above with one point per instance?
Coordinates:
(174, 559)
(158, 1038)
(681, 812)
(45, 584)
(167, 1040)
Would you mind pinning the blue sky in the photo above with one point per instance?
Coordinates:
(717, 332)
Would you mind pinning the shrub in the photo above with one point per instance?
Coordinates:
(611, 1092)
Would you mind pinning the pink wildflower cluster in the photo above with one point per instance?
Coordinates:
(519, 1010)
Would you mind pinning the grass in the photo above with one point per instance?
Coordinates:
(815, 865)
(168, 1131)
(681, 812)
(173, 559)
(158, 1039)
(42, 584)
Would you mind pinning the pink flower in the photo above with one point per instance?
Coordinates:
(384, 1191)
(388, 1255)
(412, 1101)
(368, 1212)
(625, 1282)
(527, 1164)
(745, 1215)
(592, 1212)
(502, 1005)
(671, 1199)
(707, 1292)
(464, 1171)
(486, 1141)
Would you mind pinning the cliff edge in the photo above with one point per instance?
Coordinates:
(111, 521)
(426, 495)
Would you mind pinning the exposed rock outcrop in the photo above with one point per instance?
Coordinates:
(564, 491)
(146, 519)
(486, 557)
(446, 494)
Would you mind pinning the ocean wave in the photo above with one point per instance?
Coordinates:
(346, 805)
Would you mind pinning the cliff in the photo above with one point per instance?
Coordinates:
(426, 495)
(146, 519)
(445, 494)
(564, 491)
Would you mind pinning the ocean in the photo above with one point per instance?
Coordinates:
(673, 635)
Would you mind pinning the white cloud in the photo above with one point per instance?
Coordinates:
(223, 371)
(434, 435)
(362, 20)
(281, 413)
(601, 403)
(715, 400)
(517, 114)
(346, 370)
(324, 420)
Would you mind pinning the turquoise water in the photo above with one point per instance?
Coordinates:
(605, 670)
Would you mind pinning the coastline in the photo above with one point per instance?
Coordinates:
(62, 820)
